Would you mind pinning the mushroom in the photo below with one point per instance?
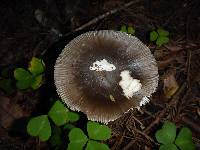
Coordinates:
(105, 73)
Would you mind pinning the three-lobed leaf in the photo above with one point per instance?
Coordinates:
(58, 113)
(39, 126)
(168, 147)
(94, 145)
(36, 66)
(184, 140)
(77, 139)
(167, 134)
(97, 131)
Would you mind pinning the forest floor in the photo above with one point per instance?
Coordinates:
(40, 28)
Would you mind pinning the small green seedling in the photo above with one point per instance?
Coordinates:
(160, 36)
(31, 78)
(127, 29)
(169, 141)
(96, 132)
(40, 126)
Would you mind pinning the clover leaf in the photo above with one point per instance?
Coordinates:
(167, 134)
(23, 77)
(36, 66)
(94, 145)
(184, 140)
(77, 139)
(58, 113)
(39, 126)
(129, 29)
(160, 36)
(31, 78)
(97, 131)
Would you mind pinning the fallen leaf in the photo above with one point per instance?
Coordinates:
(170, 85)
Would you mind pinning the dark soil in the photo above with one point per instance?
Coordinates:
(42, 28)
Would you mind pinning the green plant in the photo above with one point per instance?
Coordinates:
(41, 127)
(96, 132)
(59, 114)
(169, 141)
(31, 78)
(127, 29)
(160, 36)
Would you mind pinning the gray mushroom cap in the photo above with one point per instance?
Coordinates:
(90, 91)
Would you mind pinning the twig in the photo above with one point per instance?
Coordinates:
(111, 12)
(146, 136)
(117, 143)
(188, 66)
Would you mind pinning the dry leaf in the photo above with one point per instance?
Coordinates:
(170, 85)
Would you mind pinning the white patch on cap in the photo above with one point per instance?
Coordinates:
(102, 65)
(144, 101)
(128, 84)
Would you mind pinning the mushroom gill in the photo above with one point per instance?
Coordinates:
(88, 74)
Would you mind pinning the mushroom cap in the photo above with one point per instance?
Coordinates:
(97, 93)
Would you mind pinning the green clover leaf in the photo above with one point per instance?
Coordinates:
(36, 66)
(184, 140)
(94, 145)
(167, 134)
(55, 139)
(23, 77)
(39, 126)
(58, 113)
(77, 139)
(97, 131)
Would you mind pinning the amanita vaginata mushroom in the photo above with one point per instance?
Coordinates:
(105, 74)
